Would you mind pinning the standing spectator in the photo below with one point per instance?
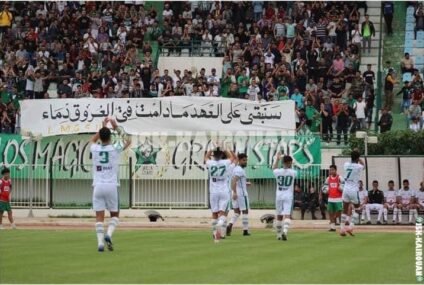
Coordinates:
(388, 11)
(342, 123)
(367, 32)
(369, 77)
(385, 121)
(415, 115)
(406, 96)
(213, 80)
(389, 83)
(419, 19)
(326, 111)
(360, 112)
(243, 83)
(6, 18)
(253, 91)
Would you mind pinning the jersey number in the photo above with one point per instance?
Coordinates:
(105, 157)
(215, 169)
(349, 172)
(285, 180)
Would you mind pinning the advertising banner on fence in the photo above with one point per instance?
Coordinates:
(169, 115)
(152, 155)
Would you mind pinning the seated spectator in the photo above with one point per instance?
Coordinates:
(407, 64)
(375, 202)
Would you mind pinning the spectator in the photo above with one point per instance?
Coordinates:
(407, 64)
(6, 18)
(389, 83)
(388, 11)
(360, 112)
(415, 116)
(406, 96)
(385, 121)
(419, 19)
(369, 77)
(342, 123)
(326, 112)
(367, 32)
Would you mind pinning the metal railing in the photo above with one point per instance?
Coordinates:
(192, 48)
(141, 186)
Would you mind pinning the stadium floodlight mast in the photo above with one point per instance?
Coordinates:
(367, 139)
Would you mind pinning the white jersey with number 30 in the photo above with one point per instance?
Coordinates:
(105, 164)
(285, 182)
(352, 175)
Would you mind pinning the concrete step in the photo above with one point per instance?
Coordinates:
(373, 4)
(369, 60)
(374, 11)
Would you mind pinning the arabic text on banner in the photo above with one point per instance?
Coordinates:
(146, 115)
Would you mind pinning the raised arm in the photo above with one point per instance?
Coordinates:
(277, 159)
(208, 155)
(96, 137)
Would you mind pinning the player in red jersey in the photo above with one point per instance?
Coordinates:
(5, 188)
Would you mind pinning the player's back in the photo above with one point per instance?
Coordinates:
(241, 185)
(219, 170)
(352, 175)
(285, 178)
(105, 164)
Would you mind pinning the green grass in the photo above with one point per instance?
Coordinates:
(163, 256)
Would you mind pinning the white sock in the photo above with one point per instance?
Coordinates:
(286, 225)
(354, 220)
(333, 226)
(395, 213)
(220, 225)
(113, 223)
(224, 227)
(100, 233)
(415, 213)
(245, 221)
(363, 214)
(234, 219)
(279, 228)
(214, 223)
(368, 210)
(342, 222)
(412, 212)
(400, 215)
(380, 212)
(385, 214)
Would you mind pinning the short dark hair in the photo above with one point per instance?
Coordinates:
(105, 134)
(5, 170)
(333, 166)
(287, 158)
(354, 155)
(241, 156)
(217, 153)
(405, 180)
(391, 181)
(375, 181)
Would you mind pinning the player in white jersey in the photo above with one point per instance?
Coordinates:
(353, 171)
(419, 197)
(240, 198)
(229, 206)
(106, 181)
(219, 170)
(406, 198)
(363, 200)
(285, 178)
(390, 202)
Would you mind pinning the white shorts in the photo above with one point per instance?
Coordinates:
(391, 206)
(219, 201)
(375, 207)
(351, 196)
(105, 197)
(242, 203)
(284, 206)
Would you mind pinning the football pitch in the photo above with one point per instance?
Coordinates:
(191, 256)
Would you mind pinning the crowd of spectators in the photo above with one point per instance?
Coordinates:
(308, 52)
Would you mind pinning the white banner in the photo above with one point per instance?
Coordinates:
(171, 115)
